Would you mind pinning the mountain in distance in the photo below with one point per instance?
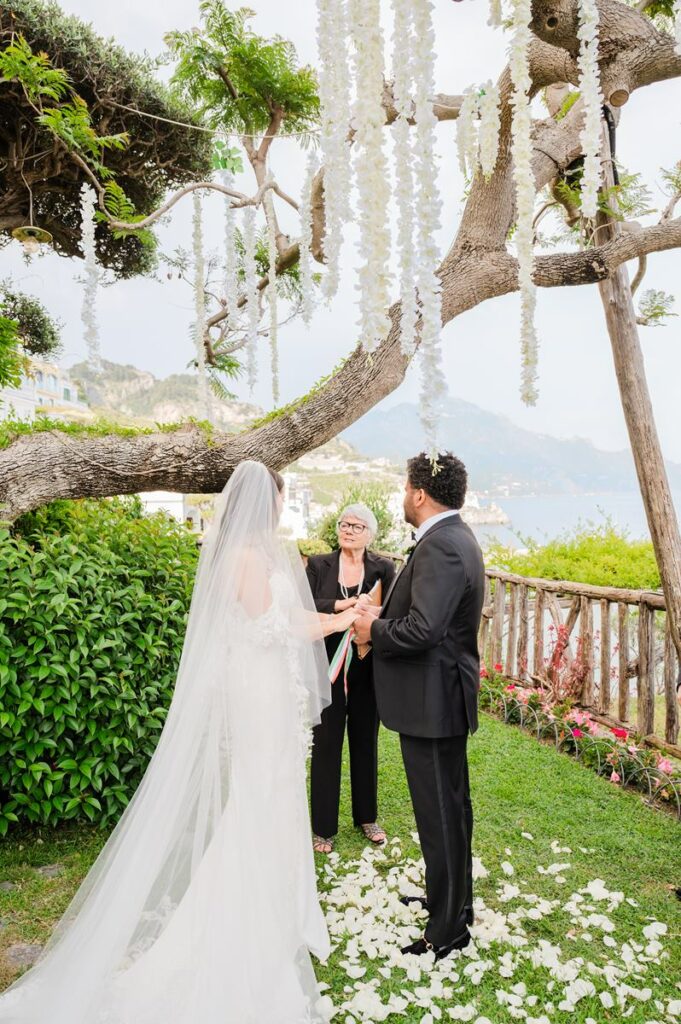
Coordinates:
(501, 458)
(140, 395)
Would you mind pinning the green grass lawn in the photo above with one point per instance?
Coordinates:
(518, 786)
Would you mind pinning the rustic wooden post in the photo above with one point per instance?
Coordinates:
(620, 317)
(604, 692)
(586, 625)
(623, 661)
(646, 670)
(510, 666)
(498, 621)
(671, 725)
(538, 660)
(484, 621)
(523, 632)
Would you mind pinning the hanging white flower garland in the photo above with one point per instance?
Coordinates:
(272, 292)
(306, 274)
(230, 265)
(489, 105)
(521, 146)
(200, 303)
(495, 14)
(677, 26)
(334, 94)
(371, 173)
(88, 206)
(467, 134)
(252, 298)
(590, 89)
(403, 77)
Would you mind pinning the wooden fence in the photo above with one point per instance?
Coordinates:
(588, 643)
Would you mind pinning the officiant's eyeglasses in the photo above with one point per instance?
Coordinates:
(353, 527)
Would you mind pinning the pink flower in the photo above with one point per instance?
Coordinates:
(483, 672)
(621, 734)
(633, 750)
(577, 733)
(665, 765)
(614, 777)
(510, 687)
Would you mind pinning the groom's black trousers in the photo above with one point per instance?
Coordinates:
(437, 773)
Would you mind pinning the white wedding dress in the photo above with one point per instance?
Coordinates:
(203, 909)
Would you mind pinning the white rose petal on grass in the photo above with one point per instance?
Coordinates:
(528, 836)
(507, 868)
(652, 931)
(465, 1013)
(479, 869)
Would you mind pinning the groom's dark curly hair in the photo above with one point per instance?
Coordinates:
(445, 481)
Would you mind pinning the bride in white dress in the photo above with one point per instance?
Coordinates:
(202, 906)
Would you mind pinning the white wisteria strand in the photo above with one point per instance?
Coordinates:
(251, 294)
(677, 26)
(495, 14)
(307, 284)
(200, 302)
(467, 134)
(272, 292)
(371, 170)
(230, 265)
(592, 97)
(489, 105)
(521, 146)
(334, 95)
(88, 206)
(429, 205)
(402, 67)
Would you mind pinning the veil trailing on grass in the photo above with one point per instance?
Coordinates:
(159, 929)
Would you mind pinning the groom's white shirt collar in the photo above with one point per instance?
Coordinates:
(427, 523)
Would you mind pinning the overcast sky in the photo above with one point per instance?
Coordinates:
(148, 324)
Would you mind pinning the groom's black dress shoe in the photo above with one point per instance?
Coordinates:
(423, 902)
(422, 946)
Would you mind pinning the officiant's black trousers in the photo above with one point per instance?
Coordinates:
(359, 710)
(437, 773)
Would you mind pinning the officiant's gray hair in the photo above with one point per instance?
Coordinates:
(363, 512)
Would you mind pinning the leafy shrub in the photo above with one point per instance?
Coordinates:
(376, 497)
(313, 546)
(93, 605)
(602, 555)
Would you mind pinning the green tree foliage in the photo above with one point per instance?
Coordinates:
(93, 604)
(68, 85)
(12, 361)
(602, 555)
(239, 79)
(38, 331)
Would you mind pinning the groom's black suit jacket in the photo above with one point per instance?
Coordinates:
(425, 642)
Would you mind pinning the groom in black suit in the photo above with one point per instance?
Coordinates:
(427, 676)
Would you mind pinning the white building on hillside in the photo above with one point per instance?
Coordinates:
(47, 388)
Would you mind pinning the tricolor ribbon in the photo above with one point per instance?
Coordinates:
(342, 659)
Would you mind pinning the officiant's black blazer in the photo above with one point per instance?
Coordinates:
(425, 642)
(322, 575)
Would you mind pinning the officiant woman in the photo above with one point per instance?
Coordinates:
(337, 580)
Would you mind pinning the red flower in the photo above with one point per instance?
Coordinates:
(621, 734)
(510, 687)
(498, 667)
(577, 733)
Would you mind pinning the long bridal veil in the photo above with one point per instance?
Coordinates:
(155, 851)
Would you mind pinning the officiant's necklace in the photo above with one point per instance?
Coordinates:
(341, 579)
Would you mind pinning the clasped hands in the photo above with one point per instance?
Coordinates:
(360, 613)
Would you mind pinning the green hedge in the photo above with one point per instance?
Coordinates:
(602, 555)
(93, 605)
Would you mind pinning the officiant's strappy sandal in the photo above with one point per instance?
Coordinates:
(374, 833)
(320, 845)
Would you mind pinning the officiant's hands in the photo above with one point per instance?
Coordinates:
(366, 616)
